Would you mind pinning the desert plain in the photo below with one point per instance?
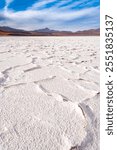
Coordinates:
(49, 93)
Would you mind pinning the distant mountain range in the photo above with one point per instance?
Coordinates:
(8, 31)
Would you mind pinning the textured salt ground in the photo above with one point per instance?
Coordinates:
(49, 93)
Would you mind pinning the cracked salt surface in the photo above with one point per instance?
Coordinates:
(49, 93)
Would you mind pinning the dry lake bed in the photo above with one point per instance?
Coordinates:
(49, 93)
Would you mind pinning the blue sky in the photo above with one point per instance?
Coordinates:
(71, 15)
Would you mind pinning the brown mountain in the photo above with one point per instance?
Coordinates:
(89, 32)
(7, 31)
(4, 30)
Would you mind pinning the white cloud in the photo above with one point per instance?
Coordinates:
(50, 14)
(39, 4)
(7, 3)
(74, 4)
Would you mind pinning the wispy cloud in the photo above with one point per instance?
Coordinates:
(39, 4)
(7, 4)
(74, 4)
(59, 16)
